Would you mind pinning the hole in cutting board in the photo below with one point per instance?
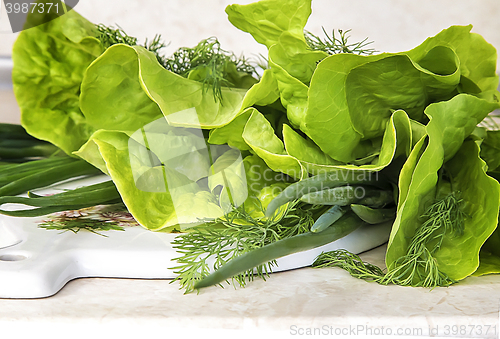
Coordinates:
(12, 257)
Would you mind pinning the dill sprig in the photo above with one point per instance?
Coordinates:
(109, 36)
(211, 63)
(350, 262)
(419, 266)
(215, 243)
(333, 45)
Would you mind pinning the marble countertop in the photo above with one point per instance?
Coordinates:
(299, 302)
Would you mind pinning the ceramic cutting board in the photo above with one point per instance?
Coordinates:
(36, 262)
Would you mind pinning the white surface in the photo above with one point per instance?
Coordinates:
(306, 298)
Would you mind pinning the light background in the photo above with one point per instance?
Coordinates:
(393, 25)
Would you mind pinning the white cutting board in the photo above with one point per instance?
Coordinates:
(36, 262)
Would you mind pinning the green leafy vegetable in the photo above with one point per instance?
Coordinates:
(420, 186)
(211, 65)
(49, 63)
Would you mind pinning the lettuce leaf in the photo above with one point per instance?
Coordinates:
(157, 183)
(280, 26)
(170, 178)
(351, 97)
(397, 141)
(490, 150)
(111, 94)
(469, 47)
(459, 257)
(260, 136)
(268, 20)
(369, 88)
(49, 64)
(451, 122)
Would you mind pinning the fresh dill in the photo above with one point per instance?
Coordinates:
(419, 266)
(333, 45)
(109, 36)
(208, 63)
(210, 246)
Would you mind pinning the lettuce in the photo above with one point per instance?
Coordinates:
(280, 26)
(169, 178)
(420, 184)
(413, 112)
(351, 97)
(49, 63)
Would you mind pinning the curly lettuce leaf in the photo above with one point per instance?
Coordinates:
(354, 97)
(470, 48)
(153, 210)
(451, 122)
(267, 20)
(397, 140)
(49, 64)
(490, 150)
(259, 135)
(458, 257)
(158, 189)
(112, 97)
(351, 97)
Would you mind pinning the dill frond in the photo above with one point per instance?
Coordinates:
(349, 262)
(419, 266)
(208, 63)
(215, 243)
(333, 45)
(110, 36)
